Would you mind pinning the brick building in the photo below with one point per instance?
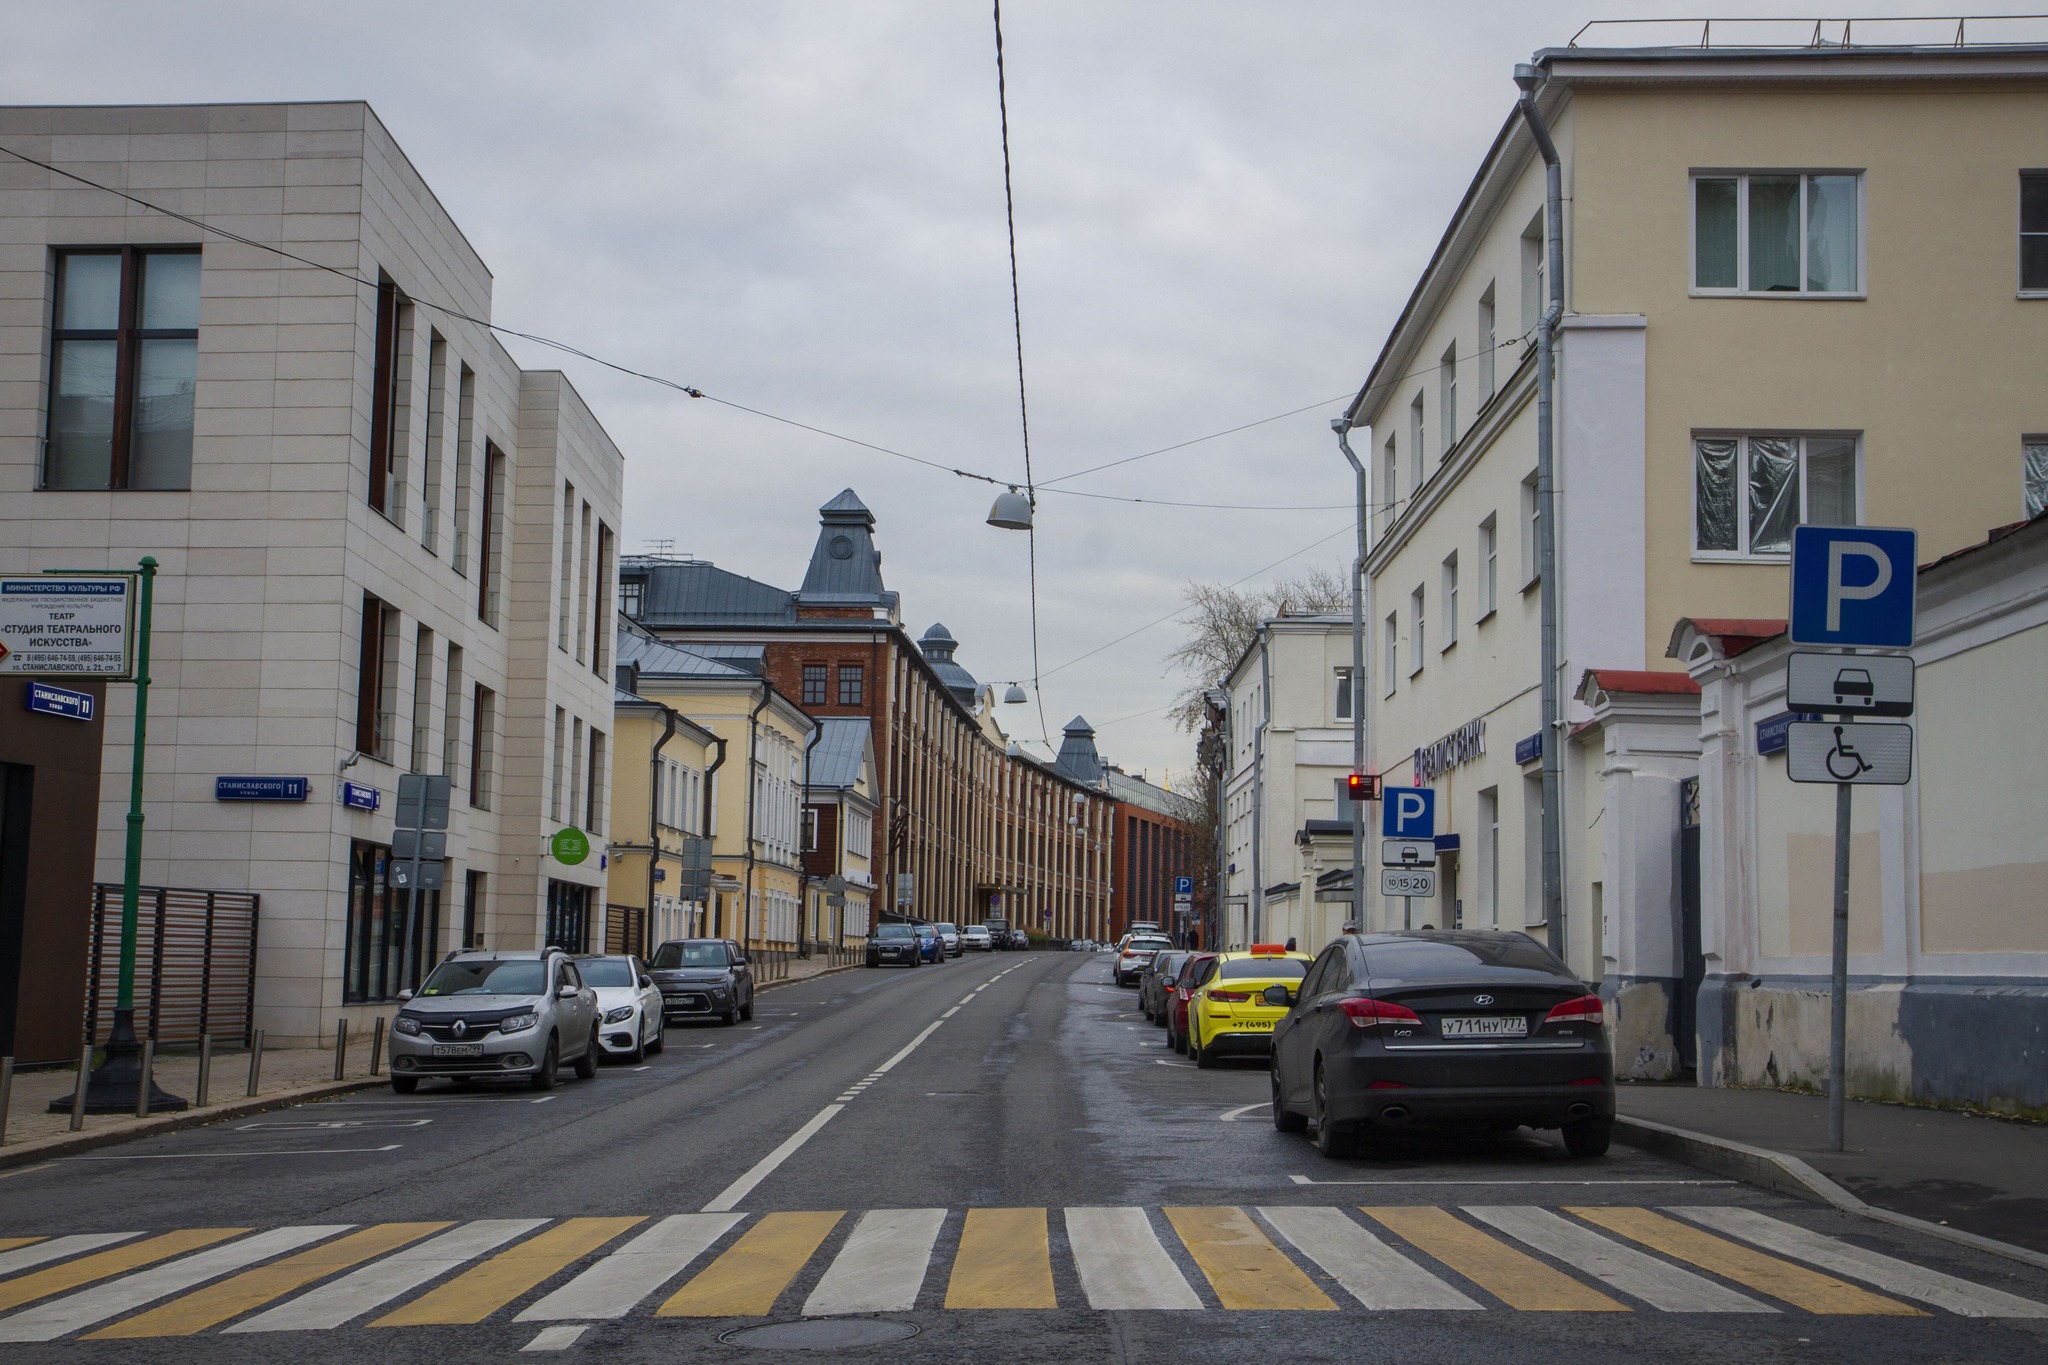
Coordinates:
(1159, 834)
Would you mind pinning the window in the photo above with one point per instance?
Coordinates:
(465, 474)
(1532, 540)
(1489, 568)
(1343, 694)
(1750, 491)
(630, 590)
(483, 740)
(1489, 856)
(852, 684)
(565, 578)
(600, 617)
(422, 698)
(584, 547)
(1391, 650)
(1447, 416)
(810, 829)
(1417, 440)
(390, 397)
(1488, 345)
(1450, 630)
(814, 684)
(1782, 233)
(390, 937)
(431, 467)
(594, 788)
(1416, 631)
(490, 562)
(2034, 475)
(1389, 477)
(575, 767)
(556, 775)
(451, 719)
(124, 358)
(373, 717)
(2034, 231)
(1533, 298)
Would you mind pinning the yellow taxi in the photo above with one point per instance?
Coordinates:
(1229, 1015)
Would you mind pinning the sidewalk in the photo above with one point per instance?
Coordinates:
(1982, 1175)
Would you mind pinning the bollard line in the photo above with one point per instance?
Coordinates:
(256, 1062)
(78, 1095)
(143, 1077)
(6, 1094)
(205, 1070)
(377, 1045)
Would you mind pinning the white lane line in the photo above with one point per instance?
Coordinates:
(1899, 1277)
(1121, 1262)
(1304, 1180)
(1161, 1061)
(57, 1248)
(1632, 1272)
(381, 1281)
(610, 1288)
(765, 1167)
(290, 1151)
(950, 1013)
(967, 999)
(886, 1067)
(1233, 1115)
(557, 1338)
(75, 1312)
(882, 1266)
(1371, 1271)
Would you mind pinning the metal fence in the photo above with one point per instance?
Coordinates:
(195, 963)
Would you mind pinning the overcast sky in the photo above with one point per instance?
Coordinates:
(799, 207)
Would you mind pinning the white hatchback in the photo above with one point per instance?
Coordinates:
(629, 1016)
(1136, 954)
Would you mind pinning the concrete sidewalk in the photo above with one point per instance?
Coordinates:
(1983, 1175)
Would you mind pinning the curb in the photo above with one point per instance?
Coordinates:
(56, 1148)
(1789, 1175)
(799, 980)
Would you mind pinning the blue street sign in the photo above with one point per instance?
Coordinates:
(1528, 750)
(360, 796)
(59, 701)
(1183, 886)
(1408, 813)
(1854, 586)
(259, 788)
(1771, 732)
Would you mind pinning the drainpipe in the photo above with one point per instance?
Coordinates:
(668, 732)
(753, 786)
(1528, 78)
(1255, 904)
(1342, 426)
(710, 793)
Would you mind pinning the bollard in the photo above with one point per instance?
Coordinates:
(142, 1080)
(340, 1047)
(78, 1095)
(205, 1070)
(377, 1045)
(255, 1061)
(6, 1094)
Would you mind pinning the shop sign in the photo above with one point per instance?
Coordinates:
(1461, 745)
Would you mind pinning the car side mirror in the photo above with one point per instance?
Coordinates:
(565, 991)
(645, 982)
(404, 996)
(1277, 995)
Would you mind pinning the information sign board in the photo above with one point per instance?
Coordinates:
(1850, 684)
(260, 788)
(1871, 755)
(1407, 813)
(52, 700)
(1853, 586)
(1407, 881)
(67, 625)
(1408, 852)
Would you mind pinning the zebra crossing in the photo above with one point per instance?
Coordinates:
(1706, 1259)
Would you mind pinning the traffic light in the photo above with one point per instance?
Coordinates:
(1362, 786)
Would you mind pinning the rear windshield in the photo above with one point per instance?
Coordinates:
(708, 953)
(1488, 956)
(607, 971)
(1147, 945)
(488, 976)
(1168, 964)
(1266, 968)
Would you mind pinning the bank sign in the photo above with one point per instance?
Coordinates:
(66, 625)
(1461, 745)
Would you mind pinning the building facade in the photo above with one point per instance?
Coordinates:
(1158, 833)
(839, 833)
(659, 879)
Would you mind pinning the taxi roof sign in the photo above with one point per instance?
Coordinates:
(1269, 950)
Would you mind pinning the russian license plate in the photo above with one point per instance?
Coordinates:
(458, 1049)
(1248, 1024)
(1487, 1026)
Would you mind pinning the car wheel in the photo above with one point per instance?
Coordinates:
(405, 1085)
(639, 1052)
(544, 1079)
(660, 1038)
(747, 1010)
(586, 1065)
(1588, 1137)
(1285, 1119)
(730, 1017)
(1205, 1057)
(1331, 1141)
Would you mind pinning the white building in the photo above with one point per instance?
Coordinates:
(384, 546)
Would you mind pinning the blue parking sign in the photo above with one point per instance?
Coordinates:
(1854, 586)
(1407, 813)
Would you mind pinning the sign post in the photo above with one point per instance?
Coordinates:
(1853, 587)
(419, 844)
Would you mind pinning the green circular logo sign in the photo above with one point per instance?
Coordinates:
(569, 846)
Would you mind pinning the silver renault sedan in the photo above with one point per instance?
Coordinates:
(496, 1014)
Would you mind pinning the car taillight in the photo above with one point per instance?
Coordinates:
(1364, 1013)
(1387, 1085)
(1586, 1007)
(1230, 997)
(1587, 1080)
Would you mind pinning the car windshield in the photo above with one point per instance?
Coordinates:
(1147, 945)
(707, 953)
(607, 971)
(1491, 956)
(488, 976)
(947, 928)
(1265, 968)
(894, 931)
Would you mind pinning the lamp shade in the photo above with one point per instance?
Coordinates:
(1012, 511)
(1015, 696)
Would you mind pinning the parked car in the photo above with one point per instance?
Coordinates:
(1020, 940)
(930, 947)
(496, 1014)
(1193, 973)
(1232, 1013)
(1156, 981)
(1443, 1028)
(950, 935)
(1082, 945)
(1143, 926)
(703, 978)
(631, 1022)
(893, 943)
(976, 938)
(1135, 954)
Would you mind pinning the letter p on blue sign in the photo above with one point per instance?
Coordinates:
(1854, 586)
(1407, 813)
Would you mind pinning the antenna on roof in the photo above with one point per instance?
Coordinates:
(662, 547)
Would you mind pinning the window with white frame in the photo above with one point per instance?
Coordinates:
(1389, 478)
(1532, 558)
(1417, 442)
(1489, 856)
(2034, 475)
(1781, 232)
(1488, 344)
(2034, 232)
(1447, 415)
(1489, 568)
(1450, 596)
(1416, 630)
(1392, 650)
(1750, 491)
(1533, 265)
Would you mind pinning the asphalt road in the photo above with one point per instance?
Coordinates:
(997, 1159)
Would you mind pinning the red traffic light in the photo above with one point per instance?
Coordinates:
(1362, 786)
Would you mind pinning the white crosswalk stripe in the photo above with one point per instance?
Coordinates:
(882, 1266)
(89, 1307)
(1655, 1282)
(1122, 1263)
(1370, 1271)
(610, 1288)
(57, 1248)
(1844, 1258)
(382, 1281)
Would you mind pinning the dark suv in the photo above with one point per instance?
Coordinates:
(703, 978)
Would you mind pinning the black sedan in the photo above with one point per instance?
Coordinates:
(894, 943)
(703, 978)
(1442, 1029)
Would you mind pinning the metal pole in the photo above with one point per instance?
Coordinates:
(1342, 426)
(377, 1046)
(142, 1080)
(340, 1046)
(6, 1094)
(78, 1095)
(205, 1069)
(1838, 1006)
(256, 1062)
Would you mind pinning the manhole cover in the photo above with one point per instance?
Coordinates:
(822, 1334)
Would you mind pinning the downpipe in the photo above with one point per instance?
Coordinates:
(1359, 693)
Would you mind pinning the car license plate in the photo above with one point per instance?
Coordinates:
(1248, 1024)
(458, 1049)
(1487, 1026)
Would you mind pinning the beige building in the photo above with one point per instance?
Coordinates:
(385, 547)
(658, 881)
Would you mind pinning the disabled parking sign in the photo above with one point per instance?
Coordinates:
(1854, 586)
(1407, 813)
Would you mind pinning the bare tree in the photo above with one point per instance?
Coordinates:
(1222, 622)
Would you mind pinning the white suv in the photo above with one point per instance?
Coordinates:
(975, 938)
(1135, 953)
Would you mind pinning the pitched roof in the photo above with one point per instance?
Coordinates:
(845, 565)
(657, 659)
(1642, 681)
(840, 753)
(697, 593)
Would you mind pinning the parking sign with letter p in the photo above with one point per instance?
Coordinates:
(1854, 586)
(1407, 813)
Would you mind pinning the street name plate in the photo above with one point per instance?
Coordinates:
(1407, 881)
(1408, 852)
(1850, 684)
(66, 625)
(1871, 755)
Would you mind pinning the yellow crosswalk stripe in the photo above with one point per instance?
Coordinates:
(482, 1290)
(1515, 1278)
(117, 1260)
(216, 1303)
(1243, 1266)
(1004, 1261)
(10, 1243)
(747, 1279)
(1795, 1284)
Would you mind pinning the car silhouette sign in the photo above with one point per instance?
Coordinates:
(1849, 684)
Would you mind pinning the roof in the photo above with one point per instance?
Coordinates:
(658, 659)
(840, 755)
(1138, 792)
(845, 565)
(937, 646)
(697, 593)
(1078, 758)
(1734, 633)
(1643, 681)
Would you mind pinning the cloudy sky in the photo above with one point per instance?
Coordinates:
(799, 207)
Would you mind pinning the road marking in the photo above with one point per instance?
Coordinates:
(610, 1288)
(1243, 1266)
(327, 1125)
(1795, 1284)
(1161, 1061)
(1304, 1180)
(558, 1338)
(1515, 1278)
(950, 1013)
(57, 1248)
(1886, 1272)
(1004, 1261)
(886, 1067)
(190, 1156)
(72, 1274)
(1371, 1271)
(747, 1279)
(482, 1290)
(1621, 1267)
(74, 1312)
(216, 1303)
(765, 1167)
(26, 1170)
(882, 1267)
(10, 1243)
(643, 1068)
(1121, 1263)
(1233, 1115)
(380, 1282)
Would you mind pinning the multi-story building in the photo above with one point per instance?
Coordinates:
(659, 879)
(839, 831)
(1799, 285)
(385, 547)
(1158, 833)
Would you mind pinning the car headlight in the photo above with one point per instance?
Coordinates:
(718, 992)
(619, 1015)
(519, 1023)
(405, 1024)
